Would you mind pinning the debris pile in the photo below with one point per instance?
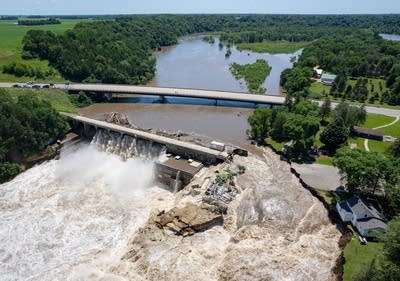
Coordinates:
(119, 119)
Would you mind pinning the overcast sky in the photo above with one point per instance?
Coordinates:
(199, 6)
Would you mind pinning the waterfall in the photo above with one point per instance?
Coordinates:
(127, 146)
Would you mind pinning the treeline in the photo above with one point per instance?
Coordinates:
(39, 21)
(358, 55)
(21, 69)
(119, 51)
(27, 125)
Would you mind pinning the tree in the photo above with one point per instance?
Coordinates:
(335, 134)
(351, 115)
(394, 149)
(364, 171)
(260, 123)
(325, 109)
(392, 244)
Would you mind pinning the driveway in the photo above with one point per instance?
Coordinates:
(319, 176)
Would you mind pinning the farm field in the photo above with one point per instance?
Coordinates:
(11, 48)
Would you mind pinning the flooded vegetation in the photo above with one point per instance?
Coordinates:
(194, 63)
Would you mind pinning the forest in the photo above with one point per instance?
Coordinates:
(27, 125)
(119, 50)
(363, 55)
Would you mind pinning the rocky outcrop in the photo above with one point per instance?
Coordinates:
(187, 220)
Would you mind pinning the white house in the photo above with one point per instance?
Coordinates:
(364, 217)
(327, 78)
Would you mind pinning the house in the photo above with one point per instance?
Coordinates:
(327, 78)
(364, 217)
(368, 133)
(318, 71)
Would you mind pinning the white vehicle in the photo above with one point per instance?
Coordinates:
(177, 157)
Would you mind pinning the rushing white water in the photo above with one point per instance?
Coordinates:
(127, 146)
(86, 217)
(71, 219)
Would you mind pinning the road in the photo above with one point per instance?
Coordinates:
(193, 93)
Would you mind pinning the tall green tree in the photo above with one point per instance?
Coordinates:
(335, 134)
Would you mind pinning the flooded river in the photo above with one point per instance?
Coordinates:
(196, 64)
(226, 124)
(390, 37)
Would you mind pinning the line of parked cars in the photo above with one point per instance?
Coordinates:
(33, 85)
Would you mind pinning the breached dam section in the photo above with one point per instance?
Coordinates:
(96, 213)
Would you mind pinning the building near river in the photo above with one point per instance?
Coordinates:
(328, 78)
(363, 216)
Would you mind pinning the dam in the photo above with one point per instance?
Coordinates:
(177, 162)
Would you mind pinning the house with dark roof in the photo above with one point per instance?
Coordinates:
(363, 216)
(367, 133)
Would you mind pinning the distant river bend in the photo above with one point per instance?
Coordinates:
(196, 64)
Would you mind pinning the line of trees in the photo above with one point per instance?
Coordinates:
(39, 21)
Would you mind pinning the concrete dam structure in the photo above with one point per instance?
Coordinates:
(177, 161)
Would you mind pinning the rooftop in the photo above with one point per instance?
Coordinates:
(328, 76)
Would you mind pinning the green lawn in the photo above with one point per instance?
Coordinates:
(57, 98)
(11, 47)
(358, 141)
(324, 160)
(317, 89)
(375, 120)
(278, 146)
(378, 146)
(358, 256)
(273, 47)
(393, 130)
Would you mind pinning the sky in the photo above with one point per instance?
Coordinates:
(73, 7)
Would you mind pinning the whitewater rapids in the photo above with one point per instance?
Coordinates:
(87, 217)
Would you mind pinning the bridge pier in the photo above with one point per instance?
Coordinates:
(163, 99)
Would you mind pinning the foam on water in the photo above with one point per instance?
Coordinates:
(71, 219)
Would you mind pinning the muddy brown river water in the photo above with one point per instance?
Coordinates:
(226, 124)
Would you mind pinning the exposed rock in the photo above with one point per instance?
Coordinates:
(187, 220)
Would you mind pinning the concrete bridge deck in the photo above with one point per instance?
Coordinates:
(166, 92)
(171, 144)
(175, 92)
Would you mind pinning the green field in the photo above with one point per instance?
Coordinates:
(317, 90)
(11, 45)
(358, 256)
(376, 120)
(58, 99)
(393, 130)
(273, 47)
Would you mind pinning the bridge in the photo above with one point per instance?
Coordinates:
(166, 92)
(88, 128)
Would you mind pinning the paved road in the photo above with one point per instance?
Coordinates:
(148, 136)
(194, 94)
(170, 92)
(319, 176)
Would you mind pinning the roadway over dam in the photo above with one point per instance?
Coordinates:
(186, 149)
(168, 92)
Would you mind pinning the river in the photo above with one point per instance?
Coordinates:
(390, 37)
(194, 63)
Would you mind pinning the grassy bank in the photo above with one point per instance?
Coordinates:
(319, 90)
(273, 47)
(254, 74)
(59, 100)
(357, 257)
(11, 48)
